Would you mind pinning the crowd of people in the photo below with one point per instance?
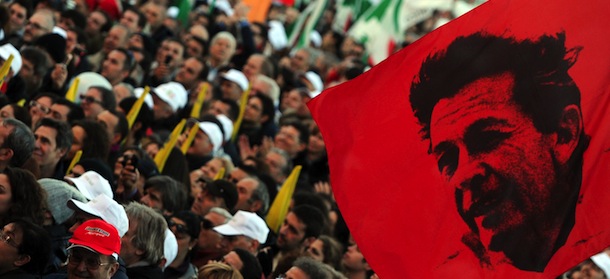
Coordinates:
(117, 212)
(82, 192)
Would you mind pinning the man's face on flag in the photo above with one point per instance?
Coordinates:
(501, 167)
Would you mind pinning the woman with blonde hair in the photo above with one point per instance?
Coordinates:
(216, 270)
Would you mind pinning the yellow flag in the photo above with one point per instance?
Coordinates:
(5, 69)
(279, 207)
(135, 109)
(220, 174)
(196, 111)
(163, 154)
(187, 143)
(71, 94)
(243, 102)
(74, 161)
(21, 103)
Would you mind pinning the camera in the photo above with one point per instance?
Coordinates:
(131, 160)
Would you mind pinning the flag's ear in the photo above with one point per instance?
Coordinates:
(568, 133)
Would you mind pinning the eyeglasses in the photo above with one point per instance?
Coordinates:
(281, 276)
(89, 100)
(36, 26)
(75, 259)
(8, 239)
(40, 106)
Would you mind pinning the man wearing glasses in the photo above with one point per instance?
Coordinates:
(94, 251)
(96, 100)
(40, 23)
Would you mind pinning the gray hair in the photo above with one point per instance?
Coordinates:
(288, 167)
(150, 232)
(227, 36)
(274, 89)
(312, 268)
(21, 140)
(261, 193)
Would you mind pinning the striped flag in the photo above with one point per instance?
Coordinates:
(306, 23)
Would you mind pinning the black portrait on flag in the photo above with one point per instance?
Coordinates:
(481, 150)
(507, 133)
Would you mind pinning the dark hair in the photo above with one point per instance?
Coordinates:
(96, 143)
(35, 243)
(192, 221)
(141, 16)
(313, 219)
(122, 126)
(145, 116)
(268, 107)
(77, 17)
(303, 130)
(540, 69)
(106, 27)
(27, 4)
(38, 58)
(21, 140)
(108, 98)
(204, 45)
(63, 139)
(130, 62)
(22, 114)
(81, 37)
(76, 112)
(173, 195)
(28, 197)
(233, 108)
(251, 268)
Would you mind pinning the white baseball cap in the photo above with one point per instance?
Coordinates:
(602, 260)
(91, 184)
(245, 223)
(237, 77)
(5, 52)
(170, 247)
(316, 82)
(227, 125)
(213, 132)
(106, 208)
(172, 93)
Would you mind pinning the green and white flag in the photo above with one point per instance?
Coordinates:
(308, 19)
(383, 26)
(348, 12)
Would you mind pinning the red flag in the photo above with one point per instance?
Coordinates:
(479, 151)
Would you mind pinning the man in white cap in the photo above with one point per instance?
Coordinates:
(207, 142)
(168, 98)
(233, 84)
(246, 231)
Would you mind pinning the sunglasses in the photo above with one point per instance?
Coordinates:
(89, 100)
(179, 228)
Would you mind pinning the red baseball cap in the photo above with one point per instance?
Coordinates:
(98, 236)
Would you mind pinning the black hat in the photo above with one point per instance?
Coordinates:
(55, 45)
